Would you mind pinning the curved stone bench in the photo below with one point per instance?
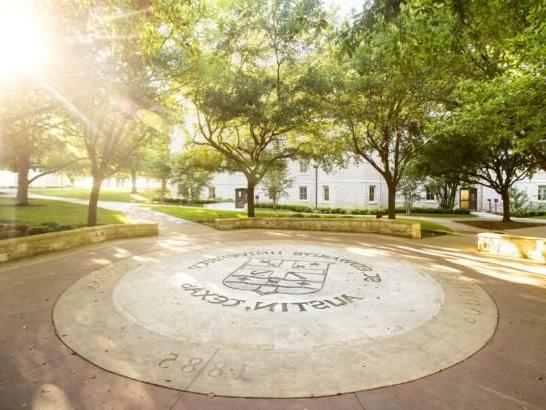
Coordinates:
(381, 226)
(25, 246)
(513, 246)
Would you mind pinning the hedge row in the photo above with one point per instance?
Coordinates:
(361, 211)
(295, 208)
(189, 202)
(530, 212)
(12, 230)
(457, 211)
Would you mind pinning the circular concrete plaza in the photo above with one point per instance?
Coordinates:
(274, 319)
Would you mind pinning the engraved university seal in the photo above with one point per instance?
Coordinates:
(284, 276)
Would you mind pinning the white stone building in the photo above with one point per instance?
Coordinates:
(8, 179)
(361, 186)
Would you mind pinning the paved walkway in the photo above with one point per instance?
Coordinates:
(138, 213)
(38, 371)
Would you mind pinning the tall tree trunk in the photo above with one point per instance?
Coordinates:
(452, 195)
(505, 194)
(134, 182)
(22, 185)
(250, 199)
(163, 187)
(93, 200)
(391, 200)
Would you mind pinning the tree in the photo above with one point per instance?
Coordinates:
(442, 165)
(248, 80)
(499, 166)
(192, 171)
(490, 154)
(511, 38)
(499, 48)
(410, 187)
(114, 102)
(480, 70)
(109, 141)
(159, 165)
(135, 163)
(378, 103)
(444, 189)
(153, 160)
(31, 136)
(276, 182)
(519, 200)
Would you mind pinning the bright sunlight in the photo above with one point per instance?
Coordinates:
(22, 46)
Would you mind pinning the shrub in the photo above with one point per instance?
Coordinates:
(36, 230)
(189, 202)
(65, 227)
(529, 212)
(295, 208)
(434, 211)
(21, 228)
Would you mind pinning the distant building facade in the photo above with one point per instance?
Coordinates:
(8, 179)
(361, 186)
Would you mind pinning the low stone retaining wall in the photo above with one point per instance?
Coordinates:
(25, 246)
(382, 226)
(513, 246)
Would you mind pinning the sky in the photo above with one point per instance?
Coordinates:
(344, 6)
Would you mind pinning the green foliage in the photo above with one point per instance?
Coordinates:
(519, 200)
(276, 182)
(288, 207)
(197, 202)
(385, 86)
(524, 213)
(207, 215)
(249, 80)
(456, 85)
(190, 173)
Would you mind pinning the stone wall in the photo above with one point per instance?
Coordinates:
(513, 246)
(17, 248)
(382, 226)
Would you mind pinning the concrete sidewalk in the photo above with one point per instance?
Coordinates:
(38, 371)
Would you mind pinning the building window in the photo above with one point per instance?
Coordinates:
(542, 192)
(212, 192)
(429, 195)
(303, 193)
(371, 193)
(326, 192)
(304, 167)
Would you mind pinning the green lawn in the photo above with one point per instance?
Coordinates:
(204, 215)
(105, 194)
(63, 213)
(427, 226)
(446, 216)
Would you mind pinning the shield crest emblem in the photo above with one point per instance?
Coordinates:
(284, 276)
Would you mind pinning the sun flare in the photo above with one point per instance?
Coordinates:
(23, 49)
